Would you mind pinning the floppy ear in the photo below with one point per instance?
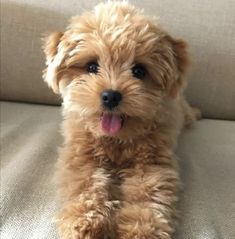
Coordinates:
(50, 48)
(181, 59)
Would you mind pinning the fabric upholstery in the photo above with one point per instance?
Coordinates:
(29, 140)
(207, 25)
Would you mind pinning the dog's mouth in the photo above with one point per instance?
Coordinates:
(112, 123)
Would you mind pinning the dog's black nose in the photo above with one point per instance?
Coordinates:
(111, 98)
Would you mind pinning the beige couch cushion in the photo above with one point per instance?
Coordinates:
(29, 140)
(207, 25)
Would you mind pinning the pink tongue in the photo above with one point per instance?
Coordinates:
(111, 123)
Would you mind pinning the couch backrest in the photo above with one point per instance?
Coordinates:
(208, 26)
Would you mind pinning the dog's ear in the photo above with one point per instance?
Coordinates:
(50, 48)
(182, 62)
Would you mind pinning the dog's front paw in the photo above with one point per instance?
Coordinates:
(134, 222)
(88, 219)
(90, 225)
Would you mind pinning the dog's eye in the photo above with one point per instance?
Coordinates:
(138, 71)
(92, 67)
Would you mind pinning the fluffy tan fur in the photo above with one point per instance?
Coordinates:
(125, 185)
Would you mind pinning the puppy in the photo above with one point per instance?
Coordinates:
(121, 78)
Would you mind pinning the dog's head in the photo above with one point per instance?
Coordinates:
(115, 69)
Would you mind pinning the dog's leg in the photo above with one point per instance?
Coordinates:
(150, 192)
(88, 207)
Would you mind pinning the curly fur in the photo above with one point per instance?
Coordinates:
(125, 185)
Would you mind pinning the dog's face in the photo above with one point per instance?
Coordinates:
(115, 70)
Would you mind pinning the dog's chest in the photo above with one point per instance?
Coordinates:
(122, 155)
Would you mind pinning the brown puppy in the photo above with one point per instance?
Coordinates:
(121, 78)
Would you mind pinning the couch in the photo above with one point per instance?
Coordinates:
(30, 116)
